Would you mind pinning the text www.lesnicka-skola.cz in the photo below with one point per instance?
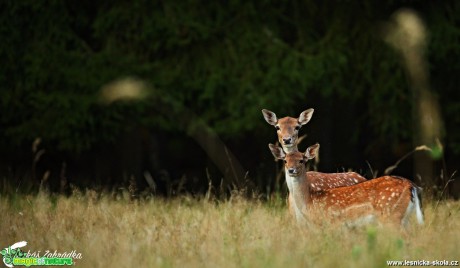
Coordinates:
(423, 263)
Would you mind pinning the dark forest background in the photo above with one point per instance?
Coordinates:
(206, 69)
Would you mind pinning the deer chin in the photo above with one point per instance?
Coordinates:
(289, 148)
(294, 175)
(289, 145)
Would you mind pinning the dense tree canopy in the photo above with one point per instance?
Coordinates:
(222, 61)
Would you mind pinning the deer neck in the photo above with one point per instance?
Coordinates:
(290, 149)
(298, 189)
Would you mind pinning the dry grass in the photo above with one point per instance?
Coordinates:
(187, 232)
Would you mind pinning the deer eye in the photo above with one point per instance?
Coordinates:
(285, 161)
(277, 127)
(297, 127)
(301, 161)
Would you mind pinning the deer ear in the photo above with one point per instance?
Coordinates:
(305, 116)
(270, 117)
(312, 151)
(277, 151)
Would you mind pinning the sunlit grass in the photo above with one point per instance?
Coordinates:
(190, 232)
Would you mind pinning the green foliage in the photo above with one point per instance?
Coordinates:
(444, 48)
(224, 61)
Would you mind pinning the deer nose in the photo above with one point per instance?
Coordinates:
(291, 170)
(287, 140)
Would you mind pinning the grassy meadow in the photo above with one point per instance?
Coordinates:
(192, 232)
